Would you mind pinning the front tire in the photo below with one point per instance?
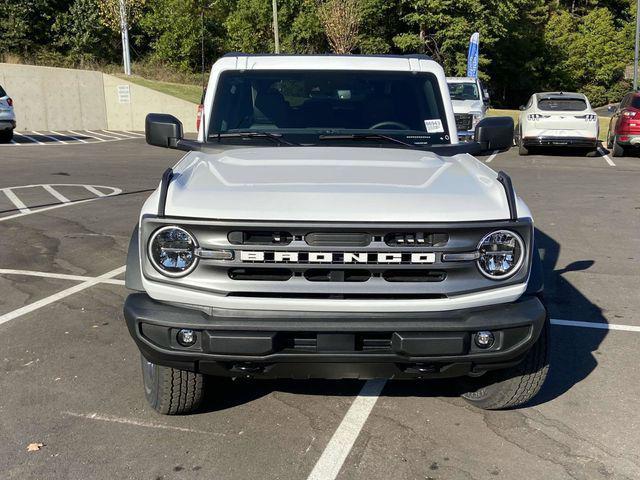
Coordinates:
(171, 391)
(513, 386)
(6, 136)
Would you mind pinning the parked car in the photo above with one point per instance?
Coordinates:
(624, 127)
(557, 119)
(470, 102)
(327, 223)
(7, 117)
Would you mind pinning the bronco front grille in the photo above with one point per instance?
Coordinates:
(463, 121)
(336, 261)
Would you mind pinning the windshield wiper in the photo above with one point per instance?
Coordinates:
(275, 137)
(367, 136)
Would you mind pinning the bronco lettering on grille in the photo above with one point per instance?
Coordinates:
(337, 257)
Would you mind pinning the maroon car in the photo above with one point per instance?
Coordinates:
(624, 128)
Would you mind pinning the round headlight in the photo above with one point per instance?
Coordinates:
(172, 251)
(501, 254)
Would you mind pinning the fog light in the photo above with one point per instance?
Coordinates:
(186, 337)
(484, 339)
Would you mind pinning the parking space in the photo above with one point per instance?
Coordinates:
(70, 374)
(69, 137)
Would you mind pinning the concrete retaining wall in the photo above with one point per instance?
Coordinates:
(47, 98)
(127, 105)
(55, 98)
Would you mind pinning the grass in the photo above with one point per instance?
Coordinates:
(190, 93)
(604, 121)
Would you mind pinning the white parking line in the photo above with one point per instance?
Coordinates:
(597, 325)
(95, 191)
(7, 317)
(134, 133)
(138, 423)
(94, 135)
(27, 136)
(336, 452)
(77, 139)
(118, 134)
(59, 276)
(16, 201)
(102, 134)
(56, 193)
(606, 157)
(493, 155)
(49, 137)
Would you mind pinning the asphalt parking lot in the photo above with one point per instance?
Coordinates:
(70, 374)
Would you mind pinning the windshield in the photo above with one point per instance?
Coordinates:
(464, 91)
(562, 104)
(308, 106)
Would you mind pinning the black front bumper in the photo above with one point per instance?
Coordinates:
(334, 345)
(578, 142)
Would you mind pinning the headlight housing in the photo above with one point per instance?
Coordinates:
(172, 251)
(502, 253)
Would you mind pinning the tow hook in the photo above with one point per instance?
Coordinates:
(247, 369)
(421, 368)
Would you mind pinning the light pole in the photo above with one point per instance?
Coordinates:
(275, 25)
(635, 61)
(124, 28)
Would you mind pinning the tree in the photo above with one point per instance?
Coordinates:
(178, 42)
(81, 34)
(110, 12)
(341, 22)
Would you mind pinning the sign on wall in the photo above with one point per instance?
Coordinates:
(124, 94)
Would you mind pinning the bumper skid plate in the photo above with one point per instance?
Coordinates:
(334, 345)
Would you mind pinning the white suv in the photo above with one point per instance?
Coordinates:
(7, 117)
(470, 103)
(328, 223)
(555, 119)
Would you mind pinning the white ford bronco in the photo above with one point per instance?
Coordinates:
(327, 224)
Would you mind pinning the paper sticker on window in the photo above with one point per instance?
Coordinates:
(434, 126)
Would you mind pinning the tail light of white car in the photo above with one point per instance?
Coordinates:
(502, 253)
(199, 116)
(588, 118)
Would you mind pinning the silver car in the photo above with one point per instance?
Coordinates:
(7, 117)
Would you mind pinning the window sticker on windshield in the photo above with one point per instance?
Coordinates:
(434, 126)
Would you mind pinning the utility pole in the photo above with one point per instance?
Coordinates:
(275, 25)
(124, 28)
(635, 61)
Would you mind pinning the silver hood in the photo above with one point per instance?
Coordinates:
(467, 106)
(335, 184)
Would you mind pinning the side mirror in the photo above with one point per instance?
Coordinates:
(522, 108)
(495, 133)
(612, 108)
(162, 130)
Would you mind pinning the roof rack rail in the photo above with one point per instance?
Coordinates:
(505, 180)
(167, 176)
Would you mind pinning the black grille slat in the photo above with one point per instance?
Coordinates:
(414, 276)
(463, 121)
(260, 274)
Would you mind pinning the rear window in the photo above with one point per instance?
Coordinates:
(2, 92)
(562, 104)
(635, 102)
